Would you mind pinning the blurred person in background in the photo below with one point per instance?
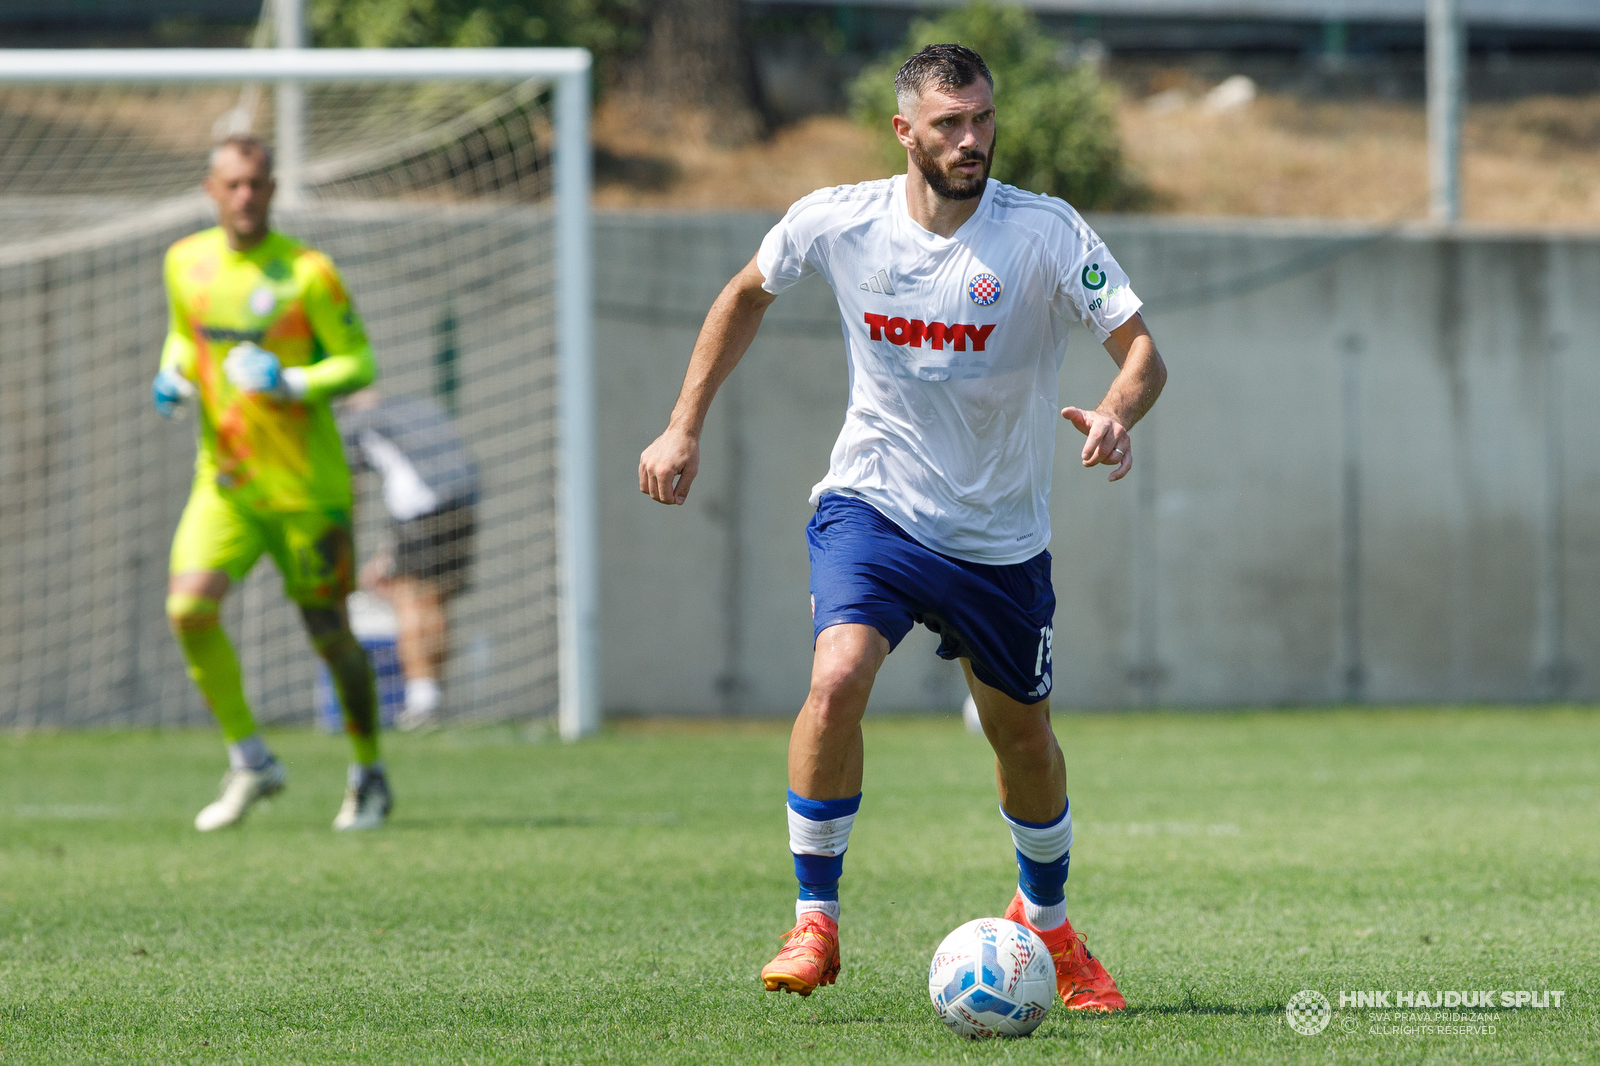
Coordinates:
(261, 336)
(430, 493)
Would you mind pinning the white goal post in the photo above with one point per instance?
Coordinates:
(568, 69)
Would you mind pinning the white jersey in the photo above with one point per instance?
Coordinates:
(954, 347)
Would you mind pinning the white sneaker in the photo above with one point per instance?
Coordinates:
(365, 806)
(240, 789)
(415, 720)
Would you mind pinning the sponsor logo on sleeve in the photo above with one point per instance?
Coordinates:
(1093, 277)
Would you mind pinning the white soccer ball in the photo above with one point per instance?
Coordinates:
(992, 977)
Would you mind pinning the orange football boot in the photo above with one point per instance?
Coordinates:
(1081, 981)
(810, 956)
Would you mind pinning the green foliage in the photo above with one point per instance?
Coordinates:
(1057, 130)
(607, 27)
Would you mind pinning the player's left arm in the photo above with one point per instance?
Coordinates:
(348, 364)
(1141, 375)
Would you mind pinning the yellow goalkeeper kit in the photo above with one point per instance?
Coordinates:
(270, 475)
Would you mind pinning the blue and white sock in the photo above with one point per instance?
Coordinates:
(1043, 852)
(819, 833)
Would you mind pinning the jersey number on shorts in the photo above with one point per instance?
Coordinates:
(1047, 636)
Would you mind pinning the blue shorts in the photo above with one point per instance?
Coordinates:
(866, 569)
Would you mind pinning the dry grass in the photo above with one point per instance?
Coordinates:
(1534, 162)
(644, 163)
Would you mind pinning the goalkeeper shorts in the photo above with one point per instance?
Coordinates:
(314, 550)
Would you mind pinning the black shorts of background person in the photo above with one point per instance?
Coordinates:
(437, 548)
(429, 489)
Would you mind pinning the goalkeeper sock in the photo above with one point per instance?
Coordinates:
(819, 834)
(1044, 850)
(358, 691)
(212, 665)
(358, 775)
(249, 754)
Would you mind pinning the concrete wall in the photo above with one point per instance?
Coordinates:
(1374, 475)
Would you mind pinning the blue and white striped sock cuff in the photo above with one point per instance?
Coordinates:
(1042, 841)
(821, 827)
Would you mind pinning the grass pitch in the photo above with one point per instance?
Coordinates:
(613, 901)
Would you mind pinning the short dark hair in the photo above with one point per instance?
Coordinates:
(942, 66)
(246, 145)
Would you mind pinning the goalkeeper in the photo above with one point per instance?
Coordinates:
(261, 336)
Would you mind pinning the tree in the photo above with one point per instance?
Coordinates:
(697, 58)
(1057, 131)
(673, 56)
(608, 28)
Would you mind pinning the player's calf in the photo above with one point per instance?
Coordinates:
(215, 671)
(367, 799)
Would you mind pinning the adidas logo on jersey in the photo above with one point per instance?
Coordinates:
(878, 282)
(914, 331)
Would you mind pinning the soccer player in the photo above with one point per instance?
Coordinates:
(261, 335)
(430, 491)
(956, 293)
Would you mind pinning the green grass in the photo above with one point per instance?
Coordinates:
(613, 901)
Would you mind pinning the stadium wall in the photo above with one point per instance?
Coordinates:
(1374, 476)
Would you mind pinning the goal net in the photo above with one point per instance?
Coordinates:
(440, 197)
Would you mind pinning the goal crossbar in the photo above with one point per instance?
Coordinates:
(569, 70)
(54, 65)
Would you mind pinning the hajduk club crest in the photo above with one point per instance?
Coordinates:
(984, 289)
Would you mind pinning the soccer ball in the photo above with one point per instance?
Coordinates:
(992, 977)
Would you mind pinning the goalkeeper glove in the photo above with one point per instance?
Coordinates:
(254, 369)
(170, 390)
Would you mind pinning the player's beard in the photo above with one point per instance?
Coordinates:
(939, 178)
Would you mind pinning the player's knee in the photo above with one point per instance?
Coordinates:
(839, 692)
(1021, 736)
(188, 613)
(842, 677)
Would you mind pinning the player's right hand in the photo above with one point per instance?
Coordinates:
(253, 369)
(169, 391)
(667, 468)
